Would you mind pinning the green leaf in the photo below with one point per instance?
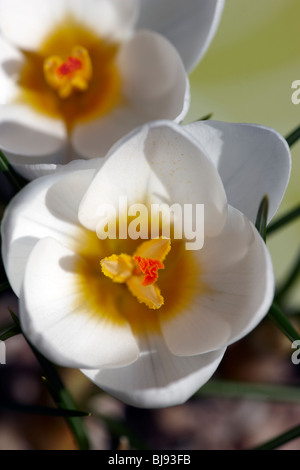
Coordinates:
(9, 332)
(205, 118)
(284, 220)
(250, 391)
(4, 286)
(293, 136)
(280, 319)
(59, 393)
(278, 441)
(292, 276)
(42, 410)
(262, 216)
(16, 180)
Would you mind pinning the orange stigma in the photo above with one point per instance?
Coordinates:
(150, 268)
(72, 64)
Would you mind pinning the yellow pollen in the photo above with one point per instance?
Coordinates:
(73, 74)
(140, 272)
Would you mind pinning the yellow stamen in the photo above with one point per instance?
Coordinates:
(140, 273)
(70, 75)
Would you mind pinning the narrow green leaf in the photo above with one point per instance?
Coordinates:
(9, 332)
(205, 118)
(292, 276)
(293, 136)
(284, 220)
(16, 180)
(4, 286)
(262, 216)
(42, 410)
(250, 391)
(62, 398)
(14, 317)
(60, 394)
(278, 441)
(280, 319)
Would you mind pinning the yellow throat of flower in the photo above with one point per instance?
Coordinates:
(72, 76)
(117, 294)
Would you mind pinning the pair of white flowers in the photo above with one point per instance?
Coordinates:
(153, 343)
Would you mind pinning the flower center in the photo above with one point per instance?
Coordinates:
(112, 296)
(140, 271)
(73, 74)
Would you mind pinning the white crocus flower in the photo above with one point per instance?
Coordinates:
(76, 75)
(149, 336)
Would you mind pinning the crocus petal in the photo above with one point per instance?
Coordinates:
(238, 290)
(57, 319)
(26, 24)
(26, 134)
(43, 208)
(157, 379)
(190, 25)
(10, 63)
(172, 168)
(253, 161)
(154, 86)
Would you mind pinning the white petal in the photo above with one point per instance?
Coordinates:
(57, 319)
(27, 24)
(153, 76)
(46, 207)
(157, 379)
(190, 25)
(159, 163)
(154, 86)
(94, 139)
(36, 170)
(26, 135)
(238, 290)
(252, 160)
(10, 63)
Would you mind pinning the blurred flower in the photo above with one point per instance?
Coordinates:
(76, 75)
(200, 301)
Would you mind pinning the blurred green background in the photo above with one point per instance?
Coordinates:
(246, 76)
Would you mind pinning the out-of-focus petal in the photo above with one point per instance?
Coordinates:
(26, 24)
(154, 86)
(29, 137)
(190, 24)
(11, 61)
